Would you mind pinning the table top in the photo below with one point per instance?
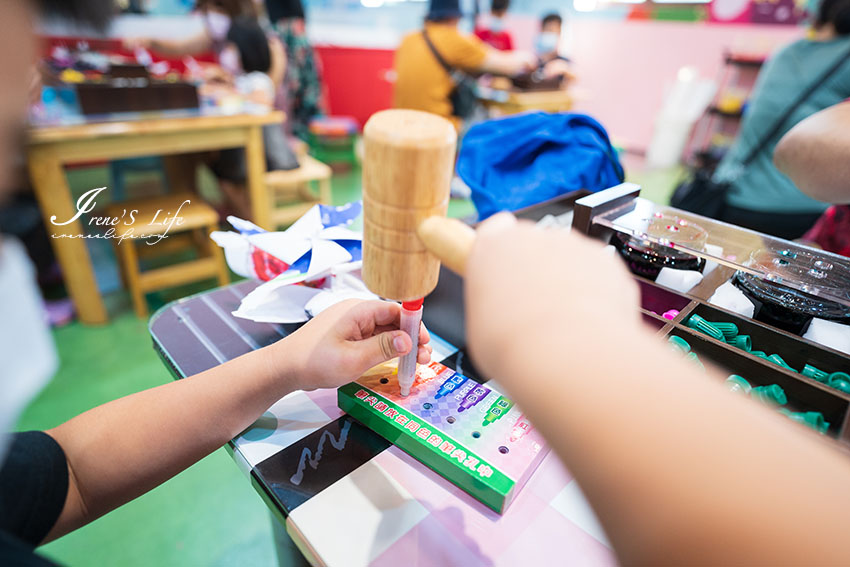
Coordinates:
(514, 96)
(351, 498)
(138, 123)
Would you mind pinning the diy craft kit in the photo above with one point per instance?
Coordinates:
(468, 432)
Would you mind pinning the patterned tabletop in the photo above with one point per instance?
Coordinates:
(345, 495)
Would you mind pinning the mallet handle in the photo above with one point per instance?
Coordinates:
(450, 240)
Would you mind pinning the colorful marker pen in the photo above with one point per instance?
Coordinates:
(461, 391)
(473, 397)
(449, 385)
(520, 429)
(411, 319)
(499, 408)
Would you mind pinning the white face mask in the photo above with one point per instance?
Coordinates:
(546, 42)
(27, 353)
(218, 25)
(230, 61)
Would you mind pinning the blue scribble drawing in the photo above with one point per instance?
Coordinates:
(307, 456)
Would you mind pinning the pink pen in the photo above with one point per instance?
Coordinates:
(411, 319)
(521, 428)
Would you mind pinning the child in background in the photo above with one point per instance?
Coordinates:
(547, 47)
(247, 58)
(303, 88)
(495, 34)
(548, 40)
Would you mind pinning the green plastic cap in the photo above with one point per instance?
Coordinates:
(679, 344)
(729, 330)
(697, 323)
(840, 381)
(771, 395)
(743, 342)
(693, 356)
(776, 359)
(737, 384)
(759, 353)
(815, 373)
(813, 419)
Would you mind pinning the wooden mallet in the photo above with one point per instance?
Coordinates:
(407, 171)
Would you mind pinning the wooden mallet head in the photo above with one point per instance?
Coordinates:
(407, 171)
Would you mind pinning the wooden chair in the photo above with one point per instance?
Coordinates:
(198, 220)
(289, 191)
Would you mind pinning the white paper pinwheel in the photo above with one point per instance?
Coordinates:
(308, 267)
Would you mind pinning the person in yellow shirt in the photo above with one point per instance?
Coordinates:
(423, 83)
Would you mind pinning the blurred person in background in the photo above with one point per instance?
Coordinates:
(424, 83)
(547, 47)
(217, 16)
(760, 197)
(220, 17)
(494, 33)
(303, 80)
(548, 40)
(815, 155)
(248, 50)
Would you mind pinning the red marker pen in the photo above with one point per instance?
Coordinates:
(411, 319)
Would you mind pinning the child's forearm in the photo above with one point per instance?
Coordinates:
(679, 470)
(814, 154)
(124, 448)
(195, 45)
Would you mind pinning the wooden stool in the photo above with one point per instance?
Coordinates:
(289, 191)
(198, 221)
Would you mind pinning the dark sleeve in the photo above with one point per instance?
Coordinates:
(33, 486)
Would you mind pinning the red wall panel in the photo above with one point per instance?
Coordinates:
(357, 81)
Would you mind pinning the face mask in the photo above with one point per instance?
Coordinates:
(230, 61)
(218, 25)
(546, 42)
(26, 347)
(497, 25)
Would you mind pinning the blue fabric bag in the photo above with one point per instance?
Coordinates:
(515, 162)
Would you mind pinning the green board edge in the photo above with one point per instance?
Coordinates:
(493, 491)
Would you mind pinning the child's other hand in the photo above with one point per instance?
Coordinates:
(345, 341)
(560, 300)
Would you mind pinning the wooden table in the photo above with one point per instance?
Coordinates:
(51, 148)
(514, 102)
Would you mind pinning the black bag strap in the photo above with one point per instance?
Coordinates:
(456, 74)
(443, 63)
(790, 110)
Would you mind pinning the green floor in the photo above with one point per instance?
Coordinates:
(209, 515)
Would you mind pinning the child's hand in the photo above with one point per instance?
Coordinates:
(558, 305)
(345, 341)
